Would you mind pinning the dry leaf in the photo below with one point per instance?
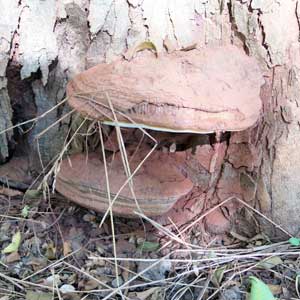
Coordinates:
(12, 257)
(30, 295)
(145, 294)
(51, 251)
(270, 262)
(37, 262)
(275, 289)
(88, 285)
(218, 276)
(67, 248)
(142, 46)
(148, 246)
(10, 192)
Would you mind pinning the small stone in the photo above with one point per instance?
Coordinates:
(18, 268)
(115, 282)
(105, 270)
(53, 280)
(67, 288)
(157, 272)
(231, 294)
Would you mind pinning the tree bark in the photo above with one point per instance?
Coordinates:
(45, 43)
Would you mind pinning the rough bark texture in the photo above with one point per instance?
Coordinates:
(45, 43)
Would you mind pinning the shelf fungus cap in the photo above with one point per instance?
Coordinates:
(199, 91)
(157, 185)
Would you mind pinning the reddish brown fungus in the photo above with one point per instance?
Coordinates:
(199, 91)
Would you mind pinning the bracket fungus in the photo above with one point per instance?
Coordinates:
(199, 91)
(84, 182)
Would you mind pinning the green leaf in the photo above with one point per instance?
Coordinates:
(32, 194)
(294, 241)
(217, 276)
(259, 290)
(25, 211)
(14, 245)
(30, 295)
(148, 246)
(270, 262)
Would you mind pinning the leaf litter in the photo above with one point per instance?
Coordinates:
(73, 258)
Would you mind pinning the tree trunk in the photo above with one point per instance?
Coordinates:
(45, 43)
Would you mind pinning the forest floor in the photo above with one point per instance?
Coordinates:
(53, 249)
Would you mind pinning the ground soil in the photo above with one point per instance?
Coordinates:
(60, 242)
